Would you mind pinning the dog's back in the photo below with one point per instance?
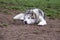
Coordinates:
(39, 12)
(42, 13)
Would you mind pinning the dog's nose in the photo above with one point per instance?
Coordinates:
(25, 22)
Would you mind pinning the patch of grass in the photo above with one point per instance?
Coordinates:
(5, 11)
(50, 7)
(3, 25)
(52, 13)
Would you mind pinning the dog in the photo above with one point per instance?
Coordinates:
(32, 16)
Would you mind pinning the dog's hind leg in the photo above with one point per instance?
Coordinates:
(42, 21)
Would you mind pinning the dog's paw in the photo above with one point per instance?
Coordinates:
(42, 23)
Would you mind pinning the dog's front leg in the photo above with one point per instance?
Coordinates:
(19, 16)
(42, 21)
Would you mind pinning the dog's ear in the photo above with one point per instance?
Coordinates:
(19, 16)
(33, 15)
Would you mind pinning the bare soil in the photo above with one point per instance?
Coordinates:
(15, 30)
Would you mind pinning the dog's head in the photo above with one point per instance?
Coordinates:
(30, 17)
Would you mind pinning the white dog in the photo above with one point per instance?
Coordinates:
(32, 16)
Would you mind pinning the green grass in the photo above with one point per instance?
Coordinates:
(50, 7)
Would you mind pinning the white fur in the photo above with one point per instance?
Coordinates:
(19, 16)
(41, 20)
(29, 21)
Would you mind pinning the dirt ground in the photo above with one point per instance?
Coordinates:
(15, 30)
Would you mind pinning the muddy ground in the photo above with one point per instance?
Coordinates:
(15, 30)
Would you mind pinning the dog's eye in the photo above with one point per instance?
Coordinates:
(28, 17)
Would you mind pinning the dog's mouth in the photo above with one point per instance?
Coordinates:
(25, 22)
